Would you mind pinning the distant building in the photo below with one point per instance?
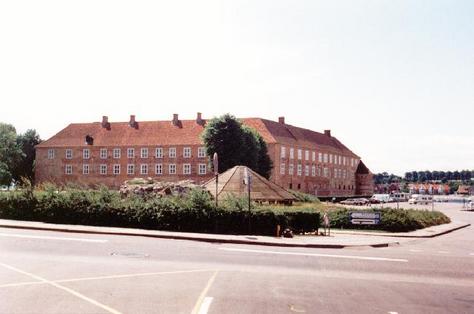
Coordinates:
(429, 188)
(465, 190)
(111, 152)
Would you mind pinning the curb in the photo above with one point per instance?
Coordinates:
(394, 235)
(202, 239)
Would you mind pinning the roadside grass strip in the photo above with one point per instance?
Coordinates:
(366, 258)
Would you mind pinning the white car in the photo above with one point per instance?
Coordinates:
(470, 205)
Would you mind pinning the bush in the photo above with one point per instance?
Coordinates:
(394, 220)
(194, 212)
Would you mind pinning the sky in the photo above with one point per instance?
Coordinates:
(393, 80)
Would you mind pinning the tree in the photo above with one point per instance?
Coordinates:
(25, 166)
(236, 144)
(10, 153)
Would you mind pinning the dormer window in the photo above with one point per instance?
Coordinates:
(89, 140)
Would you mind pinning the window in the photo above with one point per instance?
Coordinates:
(159, 152)
(68, 169)
(130, 152)
(340, 160)
(300, 154)
(290, 169)
(116, 169)
(202, 169)
(172, 169)
(292, 153)
(306, 170)
(335, 173)
(187, 169)
(201, 152)
(299, 169)
(314, 156)
(344, 174)
(50, 153)
(130, 169)
(326, 158)
(103, 169)
(143, 169)
(282, 168)
(313, 171)
(172, 152)
(116, 153)
(159, 169)
(144, 153)
(320, 157)
(330, 158)
(187, 152)
(306, 155)
(85, 169)
(326, 172)
(86, 153)
(103, 153)
(283, 152)
(344, 160)
(68, 153)
(319, 171)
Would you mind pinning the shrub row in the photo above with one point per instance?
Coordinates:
(194, 212)
(393, 220)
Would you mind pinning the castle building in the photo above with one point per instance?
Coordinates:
(109, 153)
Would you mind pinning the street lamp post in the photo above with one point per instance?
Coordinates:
(215, 161)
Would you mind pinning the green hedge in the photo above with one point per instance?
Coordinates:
(194, 212)
(394, 220)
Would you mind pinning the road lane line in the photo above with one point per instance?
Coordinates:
(367, 258)
(415, 250)
(203, 294)
(443, 252)
(12, 235)
(205, 305)
(106, 277)
(74, 293)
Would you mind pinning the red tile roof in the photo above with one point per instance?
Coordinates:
(187, 132)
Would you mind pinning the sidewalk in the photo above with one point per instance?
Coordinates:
(338, 239)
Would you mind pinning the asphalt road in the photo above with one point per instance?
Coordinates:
(53, 272)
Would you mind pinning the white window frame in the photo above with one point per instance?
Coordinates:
(130, 153)
(117, 153)
(68, 169)
(300, 154)
(186, 169)
(325, 159)
(313, 171)
(103, 169)
(68, 153)
(320, 157)
(85, 169)
(299, 170)
(130, 169)
(291, 169)
(306, 155)
(51, 153)
(282, 168)
(330, 158)
(201, 152)
(143, 169)
(187, 152)
(313, 155)
(144, 152)
(306, 170)
(86, 153)
(103, 153)
(283, 152)
(172, 152)
(116, 169)
(159, 169)
(159, 152)
(292, 153)
(172, 168)
(202, 169)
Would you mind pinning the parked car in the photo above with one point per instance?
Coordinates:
(470, 205)
(420, 199)
(355, 201)
(382, 198)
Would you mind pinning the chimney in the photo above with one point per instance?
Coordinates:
(105, 122)
(175, 119)
(327, 133)
(132, 122)
(199, 118)
(281, 120)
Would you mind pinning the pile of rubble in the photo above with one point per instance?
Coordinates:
(152, 188)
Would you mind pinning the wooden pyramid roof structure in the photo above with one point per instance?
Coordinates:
(231, 182)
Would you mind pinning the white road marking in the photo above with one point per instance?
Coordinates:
(12, 235)
(443, 252)
(74, 293)
(415, 250)
(197, 307)
(106, 277)
(205, 305)
(392, 312)
(367, 258)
